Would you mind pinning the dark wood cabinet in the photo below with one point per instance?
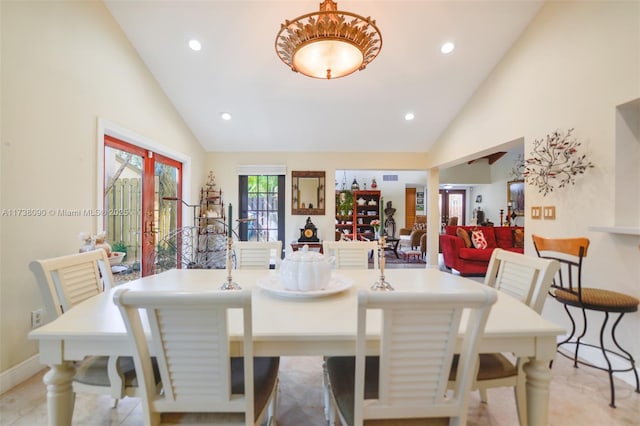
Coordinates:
(355, 223)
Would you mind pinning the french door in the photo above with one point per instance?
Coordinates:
(140, 189)
(452, 204)
(262, 205)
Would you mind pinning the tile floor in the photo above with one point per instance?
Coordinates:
(578, 397)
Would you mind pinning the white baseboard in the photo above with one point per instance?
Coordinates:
(19, 373)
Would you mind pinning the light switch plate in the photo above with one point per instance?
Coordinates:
(536, 212)
(549, 212)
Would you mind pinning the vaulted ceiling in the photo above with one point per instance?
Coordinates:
(275, 109)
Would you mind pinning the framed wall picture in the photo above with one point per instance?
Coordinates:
(420, 201)
(515, 196)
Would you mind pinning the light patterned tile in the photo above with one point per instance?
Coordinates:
(578, 397)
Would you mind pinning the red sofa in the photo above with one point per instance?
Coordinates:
(473, 261)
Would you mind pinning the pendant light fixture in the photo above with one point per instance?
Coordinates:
(329, 43)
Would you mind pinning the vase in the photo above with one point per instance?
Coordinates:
(374, 184)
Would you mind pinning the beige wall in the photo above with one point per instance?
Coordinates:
(225, 166)
(571, 67)
(64, 66)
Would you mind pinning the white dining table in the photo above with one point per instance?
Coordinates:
(324, 324)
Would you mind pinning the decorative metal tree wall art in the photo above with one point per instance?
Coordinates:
(518, 168)
(555, 162)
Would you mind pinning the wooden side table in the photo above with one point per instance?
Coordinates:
(295, 246)
(392, 245)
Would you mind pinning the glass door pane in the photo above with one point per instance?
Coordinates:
(452, 204)
(456, 205)
(123, 203)
(262, 204)
(167, 212)
(262, 192)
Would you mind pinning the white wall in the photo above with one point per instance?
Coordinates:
(64, 66)
(572, 66)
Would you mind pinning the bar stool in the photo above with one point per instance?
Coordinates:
(567, 289)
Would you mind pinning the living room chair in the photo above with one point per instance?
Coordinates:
(257, 254)
(66, 281)
(410, 237)
(190, 338)
(423, 245)
(567, 289)
(526, 279)
(351, 254)
(419, 331)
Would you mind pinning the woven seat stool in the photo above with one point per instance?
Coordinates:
(567, 289)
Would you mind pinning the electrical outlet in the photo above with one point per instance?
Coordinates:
(36, 318)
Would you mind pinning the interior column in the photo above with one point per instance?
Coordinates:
(433, 217)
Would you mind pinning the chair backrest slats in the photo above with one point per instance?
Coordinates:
(525, 278)
(352, 254)
(68, 280)
(189, 337)
(193, 352)
(257, 254)
(417, 345)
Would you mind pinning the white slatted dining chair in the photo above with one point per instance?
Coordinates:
(189, 336)
(527, 279)
(257, 254)
(419, 331)
(66, 281)
(347, 255)
(351, 254)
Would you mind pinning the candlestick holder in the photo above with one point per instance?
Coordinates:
(381, 284)
(229, 284)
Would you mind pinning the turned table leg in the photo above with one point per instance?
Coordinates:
(538, 380)
(60, 396)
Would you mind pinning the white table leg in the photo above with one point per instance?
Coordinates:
(538, 379)
(60, 397)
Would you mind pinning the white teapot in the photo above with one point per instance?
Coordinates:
(305, 270)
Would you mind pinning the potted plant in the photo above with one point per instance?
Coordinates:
(344, 202)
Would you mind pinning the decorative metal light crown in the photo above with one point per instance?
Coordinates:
(329, 43)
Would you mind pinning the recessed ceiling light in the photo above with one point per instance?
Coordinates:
(226, 116)
(447, 47)
(409, 116)
(195, 45)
